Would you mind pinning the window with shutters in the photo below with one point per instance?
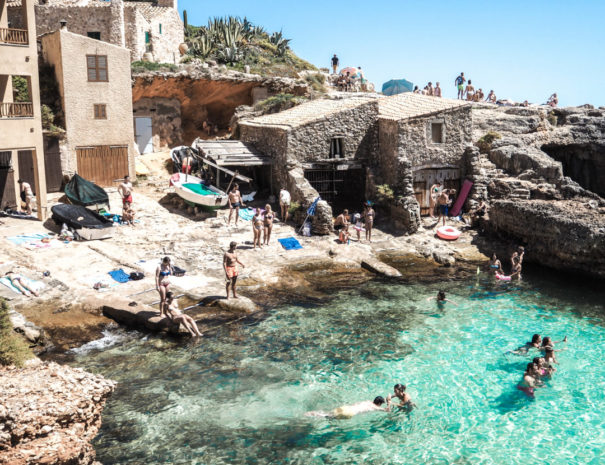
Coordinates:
(100, 111)
(97, 68)
(337, 147)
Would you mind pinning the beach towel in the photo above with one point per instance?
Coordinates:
(290, 243)
(106, 282)
(466, 188)
(30, 283)
(119, 276)
(27, 238)
(247, 214)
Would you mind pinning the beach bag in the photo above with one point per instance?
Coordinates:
(178, 272)
(136, 276)
(307, 229)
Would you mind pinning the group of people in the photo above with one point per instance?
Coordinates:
(541, 367)
(361, 222)
(429, 90)
(469, 93)
(516, 262)
(348, 411)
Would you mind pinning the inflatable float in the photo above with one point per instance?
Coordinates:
(448, 233)
(502, 277)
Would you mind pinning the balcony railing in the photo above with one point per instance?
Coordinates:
(16, 110)
(13, 36)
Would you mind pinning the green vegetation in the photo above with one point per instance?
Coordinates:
(142, 66)
(294, 207)
(384, 194)
(21, 89)
(485, 143)
(13, 348)
(48, 122)
(50, 98)
(552, 119)
(237, 43)
(278, 103)
(316, 81)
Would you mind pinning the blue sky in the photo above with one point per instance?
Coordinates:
(522, 50)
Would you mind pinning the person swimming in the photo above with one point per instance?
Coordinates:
(441, 299)
(549, 356)
(545, 370)
(349, 411)
(530, 380)
(405, 399)
(535, 343)
(548, 342)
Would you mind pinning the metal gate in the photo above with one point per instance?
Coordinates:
(7, 182)
(338, 186)
(143, 133)
(102, 164)
(424, 179)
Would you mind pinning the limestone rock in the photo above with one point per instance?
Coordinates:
(376, 266)
(49, 414)
(242, 305)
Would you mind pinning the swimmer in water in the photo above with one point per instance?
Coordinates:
(530, 381)
(545, 370)
(549, 356)
(404, 398)
(535, 342)
(495, 264)
(349, 411)
(548, 342)
(441, 299)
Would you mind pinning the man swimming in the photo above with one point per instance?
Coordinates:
(535, 342)
(349, 411)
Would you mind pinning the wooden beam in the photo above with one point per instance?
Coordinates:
(229, 172)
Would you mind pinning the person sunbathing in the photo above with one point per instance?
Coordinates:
(18, 282)
(173, 312)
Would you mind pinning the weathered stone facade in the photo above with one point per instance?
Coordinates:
(165, 116)
(142, 27)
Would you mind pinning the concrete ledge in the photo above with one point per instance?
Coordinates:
(142, 317)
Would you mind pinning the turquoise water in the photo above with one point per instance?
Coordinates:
(239, 396)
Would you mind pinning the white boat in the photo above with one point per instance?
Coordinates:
(191, 189)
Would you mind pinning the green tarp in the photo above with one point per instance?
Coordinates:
(79, 191)
(199, 189)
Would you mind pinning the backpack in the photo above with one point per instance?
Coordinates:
(459, 80)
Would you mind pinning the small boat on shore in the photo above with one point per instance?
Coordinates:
(80, 191)
(86, 223)
(191, 189)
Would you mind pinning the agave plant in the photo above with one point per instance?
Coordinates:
(230, 55)
(201, 45)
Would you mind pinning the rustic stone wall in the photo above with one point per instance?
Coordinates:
(166, 43)
(386, 162)
(135, 27)
(165, 116)
(80, 20)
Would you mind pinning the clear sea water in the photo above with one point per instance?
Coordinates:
(239, 396)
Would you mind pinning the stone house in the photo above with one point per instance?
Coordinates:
(322, 147)
(342, 149)
(422, 141)
(95, 88)
(152, 29)
(21, 145)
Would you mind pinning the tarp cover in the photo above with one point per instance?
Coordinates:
(79, 191)
(77, 217)
(179, 153)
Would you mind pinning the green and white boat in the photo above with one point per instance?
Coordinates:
(192, 190)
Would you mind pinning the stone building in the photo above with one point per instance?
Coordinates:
(322, 147)
(21, 152)
(152, 29)
(342, 149)
(422, 141)
(94, 84)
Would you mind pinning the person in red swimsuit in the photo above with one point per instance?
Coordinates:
(125, 190)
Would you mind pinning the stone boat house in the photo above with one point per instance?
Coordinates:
(94, 84)
(151, 30)
(342, 149)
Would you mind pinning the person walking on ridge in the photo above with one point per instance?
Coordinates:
(460, 80)
(335, 63)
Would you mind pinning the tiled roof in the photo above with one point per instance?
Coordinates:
(409, 105)
(309, 112)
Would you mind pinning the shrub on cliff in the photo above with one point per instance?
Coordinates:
(485, 142)
(316, 81)
(13, 348)
(384, 194)
(142, 66)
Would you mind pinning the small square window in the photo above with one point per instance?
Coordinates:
(100, 110)
(337, 147)
(94, 35)
(437, 133)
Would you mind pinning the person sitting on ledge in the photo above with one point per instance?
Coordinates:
(342, 220)
(553, 100)
(344, 235)
(173, 312)
(491, 97)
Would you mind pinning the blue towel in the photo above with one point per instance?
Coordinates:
(247, 214)
(119, 276)
(290, 243)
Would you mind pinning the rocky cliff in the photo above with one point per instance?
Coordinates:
(49, 414)
(542, 176)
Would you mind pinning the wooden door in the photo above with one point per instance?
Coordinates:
(102, 164)
(424, 179)
(7, 182)
(52, 168)
(26, 168)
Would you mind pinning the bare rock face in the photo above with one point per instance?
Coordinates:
(49, 413)
(567, 235)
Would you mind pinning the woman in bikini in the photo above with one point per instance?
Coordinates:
(268, 224)
(434, 193)
(494, 264)
(173, 312)
(369, 216)
(257, 227)
(441, 299)
(17, 281)
(162, 281)
(530, 380)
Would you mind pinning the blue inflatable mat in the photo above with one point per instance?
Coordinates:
(290, 243)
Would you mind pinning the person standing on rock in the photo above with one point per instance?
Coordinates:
(257, 228)
(369, 216)
(335, 63)
(230, 262)
(162, 281)
(433, 194)
(125, 190)
(284, 203)
(459, 82)
(437, 90)
(235, 202)
(443, 201)
(267, 224)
